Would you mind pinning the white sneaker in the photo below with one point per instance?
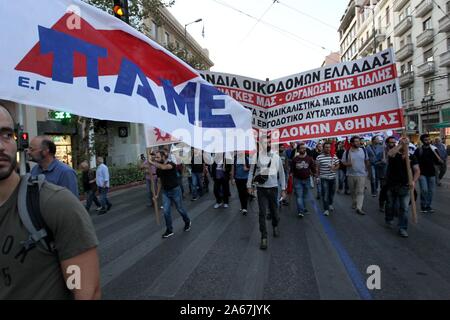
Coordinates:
(217, 205)
(225, 205)
(98, 209)
(326, 213)
(331, 208)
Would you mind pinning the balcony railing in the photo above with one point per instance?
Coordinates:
(406, 78)
(444, 24)
(367, 45)
(444, 59)
(426, 69)
(405, 52)
(425, 38)
(423, 8)
(403, 26)
(399, 4)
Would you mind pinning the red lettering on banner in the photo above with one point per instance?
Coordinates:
(387, 120)
(307, 92)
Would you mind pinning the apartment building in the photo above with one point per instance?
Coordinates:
(419, 32)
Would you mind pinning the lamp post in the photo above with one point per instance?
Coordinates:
(374, 42)
(185, 26)
(427, 102)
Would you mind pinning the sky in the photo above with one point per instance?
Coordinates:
(293, 35)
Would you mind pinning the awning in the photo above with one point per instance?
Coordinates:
(442, 125)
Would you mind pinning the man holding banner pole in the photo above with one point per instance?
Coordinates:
(400, 184)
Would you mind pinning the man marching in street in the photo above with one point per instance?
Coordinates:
(327, 166)
(397, 183)
(168, 181)
(357, 162)
(265, 172)
(428, 158)
(302, 168)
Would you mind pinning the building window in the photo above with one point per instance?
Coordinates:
(448, 44)
(403, 95)
(177, 44)
(411, 94)
(448, 6)
(427, 24)
(166, 38)
(388, 18)
(410, 66)
(389, 43)
(403, 69)
(408, 39)
(154, 30)
(428, 87)
(428, 56)
(448, 81)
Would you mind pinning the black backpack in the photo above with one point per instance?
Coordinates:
(30, 214)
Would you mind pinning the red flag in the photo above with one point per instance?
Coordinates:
(333, 148)
(347, 144)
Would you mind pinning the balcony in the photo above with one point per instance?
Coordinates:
(423, 8)
(444, 24)
(444, 59)
(426, 69)
(425, 38)
(403, 26)
(399, 4)
(367, 46)
(406, 78)
(405, 52)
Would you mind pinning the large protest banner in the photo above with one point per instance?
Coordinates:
(70, 56)
(354, 97)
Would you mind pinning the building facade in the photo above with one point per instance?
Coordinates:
(419, 32)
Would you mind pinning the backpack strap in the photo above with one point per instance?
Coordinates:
(30, 213)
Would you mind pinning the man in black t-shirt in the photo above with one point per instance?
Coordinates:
(168, 181)
(398, 185)
(428, 158)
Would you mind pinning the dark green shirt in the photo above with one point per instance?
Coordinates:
(37, 274)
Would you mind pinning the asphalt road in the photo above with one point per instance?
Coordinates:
(316, 257)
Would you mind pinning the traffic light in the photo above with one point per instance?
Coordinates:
(120, 10)
(22, 141)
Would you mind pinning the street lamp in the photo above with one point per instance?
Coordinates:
(185, 26)
(427, 102)
(373, 24)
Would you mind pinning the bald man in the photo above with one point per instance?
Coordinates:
(42, 150)
(37, 273)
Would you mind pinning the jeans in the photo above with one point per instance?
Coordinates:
(328, 191)
(103, 197)
(343, 182)
(266, 199)
(197, 184)
(427, 185)
(440, 171)
(318, 188)
(90, 196)
(377, 172)
(398, 196)
(169, 196)
(357, 186)
(221, 190)
(301, 188)
(241, 185)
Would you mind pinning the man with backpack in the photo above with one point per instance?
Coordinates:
(428, 158)
(357, 162)
(40, 262)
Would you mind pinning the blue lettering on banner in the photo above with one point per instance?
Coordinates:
(184, 100)
(64, 46)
